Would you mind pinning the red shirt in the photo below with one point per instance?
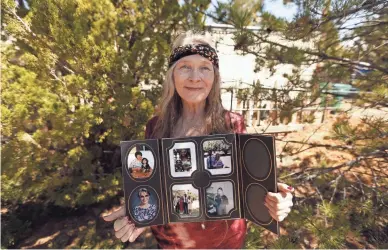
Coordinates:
(210, 234)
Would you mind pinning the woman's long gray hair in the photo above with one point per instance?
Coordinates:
(170, 107)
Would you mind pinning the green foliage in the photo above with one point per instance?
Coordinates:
(283, 242)
(217, 145)
(243, 13)
(351, 201)
(308, 117)
(367, 138)
(73, 74)
(12, 229)
(253, 239)
(333, 228)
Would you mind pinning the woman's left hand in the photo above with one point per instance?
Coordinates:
(279, 204)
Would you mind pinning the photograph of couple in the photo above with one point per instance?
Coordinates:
(185, 200)
(217, 157)
(219, 198)
(140, 162)
(182, 159)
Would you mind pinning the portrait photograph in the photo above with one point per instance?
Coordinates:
(182, 159)
(185, 200)
(140, 161)
(143, 204)
(219, 198)
(217, 157)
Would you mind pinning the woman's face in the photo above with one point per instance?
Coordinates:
(144, 198)
(220, 192)
(145, 161)
(193, 77)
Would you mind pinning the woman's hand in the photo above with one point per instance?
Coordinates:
(279, 204)
(125, 230)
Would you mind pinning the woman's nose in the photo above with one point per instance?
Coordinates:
(195, 75)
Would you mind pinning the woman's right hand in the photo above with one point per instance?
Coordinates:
(125, 230)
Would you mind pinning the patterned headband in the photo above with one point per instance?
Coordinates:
(190, 49)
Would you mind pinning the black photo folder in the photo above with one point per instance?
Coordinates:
(196, 179)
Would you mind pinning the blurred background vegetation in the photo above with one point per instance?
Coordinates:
(78, 67)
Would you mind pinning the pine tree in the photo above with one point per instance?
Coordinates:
(73, 73)
(346, 202)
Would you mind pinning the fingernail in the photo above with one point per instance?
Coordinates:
(290, 188)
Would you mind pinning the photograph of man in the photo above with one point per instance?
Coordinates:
(181, 205)
(214, 161)
(221, 202)
(185, 204)
(217, 157)
(220, 198)
(210, 160)
(190, 201)
(176, 203)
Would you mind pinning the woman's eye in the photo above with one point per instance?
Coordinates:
(185, 67)
(205, 68)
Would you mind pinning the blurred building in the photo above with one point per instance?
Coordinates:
(238, 73)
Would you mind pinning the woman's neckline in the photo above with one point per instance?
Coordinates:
(148, 205)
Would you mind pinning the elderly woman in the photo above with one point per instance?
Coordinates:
(144, 211)
(191, 106)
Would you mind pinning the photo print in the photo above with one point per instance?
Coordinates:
(140, 161)
(219, 198)
(143, 204)
(185, 201)
(217, 157)
(182, 159)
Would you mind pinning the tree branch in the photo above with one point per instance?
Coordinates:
(64, 65)
(317, 145)
(324, 55)
(335, 188)
(350, 164)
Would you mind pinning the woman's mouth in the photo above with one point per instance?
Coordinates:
(193, 88)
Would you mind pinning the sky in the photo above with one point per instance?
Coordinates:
(275, 7)
(278, 9)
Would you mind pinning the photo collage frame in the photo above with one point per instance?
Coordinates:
(196, 179)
